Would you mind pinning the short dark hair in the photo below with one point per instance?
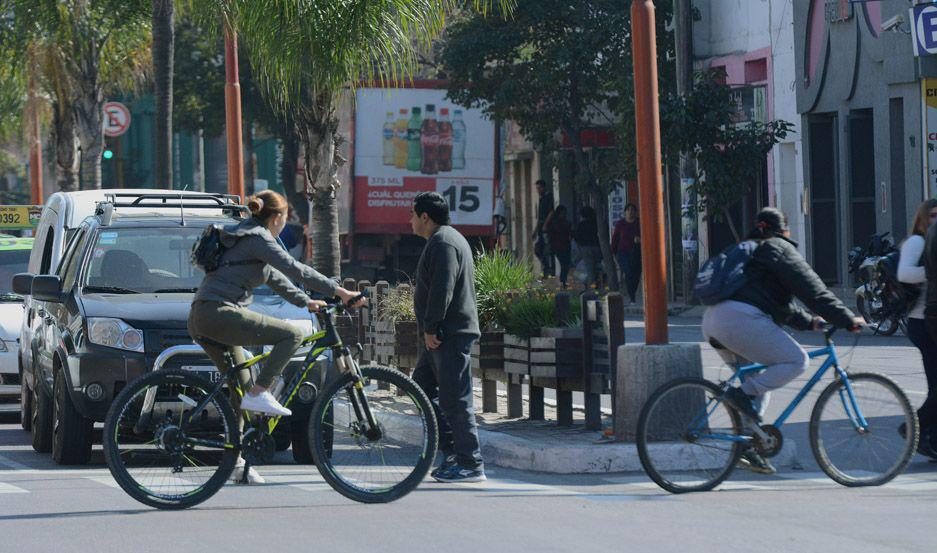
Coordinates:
(769, 222)
(433, 205)
(541, 182)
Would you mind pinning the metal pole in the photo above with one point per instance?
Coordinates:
(683, 35)
(647, 127)
(232, 97)
(35, 147)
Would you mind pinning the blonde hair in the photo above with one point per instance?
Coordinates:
(265, 204)
(922, 217)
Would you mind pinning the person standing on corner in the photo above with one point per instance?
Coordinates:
(541, 238)
(444, 303)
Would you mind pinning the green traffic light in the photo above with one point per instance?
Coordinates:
(108, 154)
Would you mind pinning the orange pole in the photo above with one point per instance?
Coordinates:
(647, 127)
(232, 101)
(35, 148)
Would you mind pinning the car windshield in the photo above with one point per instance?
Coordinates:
(11, 262)
(143, 260)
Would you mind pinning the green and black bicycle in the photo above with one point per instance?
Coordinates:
(172, 438)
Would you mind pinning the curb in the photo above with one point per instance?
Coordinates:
(513, 452)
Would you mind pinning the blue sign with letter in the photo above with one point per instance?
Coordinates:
(924, 29)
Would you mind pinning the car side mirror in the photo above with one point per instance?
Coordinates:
(47, 288)
(22, 283)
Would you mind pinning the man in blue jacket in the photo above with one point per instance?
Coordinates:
(447, 318)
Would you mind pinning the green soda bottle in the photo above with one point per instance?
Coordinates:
(414, 137)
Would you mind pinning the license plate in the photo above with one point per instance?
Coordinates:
(208, 371)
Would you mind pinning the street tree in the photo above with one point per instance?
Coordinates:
(163, 46)
(305, 55)
(556, 68)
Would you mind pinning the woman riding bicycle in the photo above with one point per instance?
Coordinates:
(746, 328)
(219, 313)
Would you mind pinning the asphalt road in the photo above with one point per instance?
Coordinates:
(44, 507)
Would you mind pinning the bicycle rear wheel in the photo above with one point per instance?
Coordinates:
(688, 439)
(860, 443)
(369, 466)
(163, 459)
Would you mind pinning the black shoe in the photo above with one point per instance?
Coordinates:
(742, 402)
(925, 442)
(459, 474)
(447, 463)
(753, 461)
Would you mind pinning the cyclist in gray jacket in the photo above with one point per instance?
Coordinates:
(746, 328)
(219, 310)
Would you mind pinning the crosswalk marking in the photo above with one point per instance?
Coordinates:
(106, 480)
(10, 488)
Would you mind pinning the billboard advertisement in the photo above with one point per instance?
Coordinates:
(930, 118)
(410, 140)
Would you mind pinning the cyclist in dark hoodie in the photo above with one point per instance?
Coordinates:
(219, 311)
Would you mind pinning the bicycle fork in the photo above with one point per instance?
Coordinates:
(359, 402)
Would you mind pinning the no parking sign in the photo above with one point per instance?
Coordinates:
(116, 119)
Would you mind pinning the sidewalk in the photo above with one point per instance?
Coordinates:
(542, 446)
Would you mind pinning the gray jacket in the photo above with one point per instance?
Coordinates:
(445, 285)
(234, 284)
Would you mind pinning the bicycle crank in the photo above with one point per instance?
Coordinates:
(257, 447)
(769, 441)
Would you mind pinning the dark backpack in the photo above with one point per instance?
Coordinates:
(900, 297)
(723, 275)
(208, 249)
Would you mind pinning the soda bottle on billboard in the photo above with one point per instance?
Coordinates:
(458, 141)
(388, 139)
(444, 151)
(429, 140)
(400, 139)
(413, 140)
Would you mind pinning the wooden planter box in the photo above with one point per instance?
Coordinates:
(383, 336)
(488, 353)
(556, 353)
(516, 355)
(406, 345)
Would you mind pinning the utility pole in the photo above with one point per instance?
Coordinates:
(683, 37)
(232, 97)
(647, 129)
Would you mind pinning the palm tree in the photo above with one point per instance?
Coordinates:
(306, 54)
(163, 46)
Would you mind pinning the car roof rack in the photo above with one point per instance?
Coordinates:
(227, 203)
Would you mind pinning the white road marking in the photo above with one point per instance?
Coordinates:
(10, 488)
(106, 480)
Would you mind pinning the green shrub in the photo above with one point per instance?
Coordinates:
(524, 316)
(498, 273)
(397, 305)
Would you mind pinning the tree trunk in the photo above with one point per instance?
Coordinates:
(290, 144)
(89, 117)
(163, 46)
(318, 134)
(66, 145)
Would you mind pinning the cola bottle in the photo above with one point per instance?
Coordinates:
(444, 153)
(387, 139)
(413, 140)
(458, 141)
(429, 137)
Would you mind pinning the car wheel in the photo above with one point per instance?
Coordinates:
(71, 432)
(41, 419)
(26, 405)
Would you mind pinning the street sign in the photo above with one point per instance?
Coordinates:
(924, 29)
(116, 119)
(19, 216)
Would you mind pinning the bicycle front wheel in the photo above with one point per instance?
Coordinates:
(688, 438)
(866, 437)
(161, 456)
(367, 463)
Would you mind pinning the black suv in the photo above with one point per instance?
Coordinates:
(120, 297)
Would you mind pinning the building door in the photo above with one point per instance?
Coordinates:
(862, 177)
(824, 219)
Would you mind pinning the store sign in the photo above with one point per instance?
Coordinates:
(19, 216)
(930, 104)
(411, 140)
(924, 29)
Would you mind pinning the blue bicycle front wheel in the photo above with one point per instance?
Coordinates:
(688, 438)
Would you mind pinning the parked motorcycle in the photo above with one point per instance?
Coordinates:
(879, 298)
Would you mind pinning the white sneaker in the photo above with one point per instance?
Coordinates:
(253, 477)
(264, 403)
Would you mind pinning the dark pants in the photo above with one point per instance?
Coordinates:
(631, 271)
(565, 259)
(545, 256)
(923, 334)
(445, 374)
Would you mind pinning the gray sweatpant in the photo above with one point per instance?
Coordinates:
(750, 336)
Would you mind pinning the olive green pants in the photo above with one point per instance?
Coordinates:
(239, 326)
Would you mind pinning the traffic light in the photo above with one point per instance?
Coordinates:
(108, 153)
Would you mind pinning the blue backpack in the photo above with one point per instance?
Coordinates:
(723, 275)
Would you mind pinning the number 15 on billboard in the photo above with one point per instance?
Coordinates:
(470, 200)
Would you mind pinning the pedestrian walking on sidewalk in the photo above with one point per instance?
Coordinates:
(587, 239)
(444, 303)
(542, 242)
(912, 270)
(626, 245)
(560, 232)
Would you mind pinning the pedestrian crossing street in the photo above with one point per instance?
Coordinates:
(618, 488)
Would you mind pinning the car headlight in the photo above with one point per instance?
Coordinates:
(114, 333)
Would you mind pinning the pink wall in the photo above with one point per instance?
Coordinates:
(734, 66)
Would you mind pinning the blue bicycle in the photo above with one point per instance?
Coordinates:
(863, 430)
